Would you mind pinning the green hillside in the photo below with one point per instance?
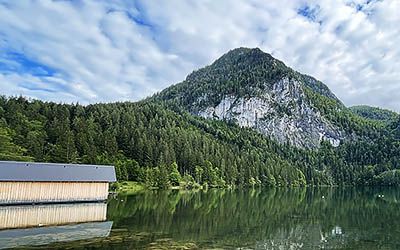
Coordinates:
(374, 113)
(148, 143)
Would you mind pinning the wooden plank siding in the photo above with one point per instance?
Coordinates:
(44, 215)
(43, 192)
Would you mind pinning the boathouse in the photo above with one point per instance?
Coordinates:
(26, 182)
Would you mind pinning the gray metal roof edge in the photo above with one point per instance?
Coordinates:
(55, 172)
(58, 164)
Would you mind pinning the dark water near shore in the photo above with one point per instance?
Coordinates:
(278, 218)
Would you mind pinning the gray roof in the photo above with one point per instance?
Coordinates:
(29, 171)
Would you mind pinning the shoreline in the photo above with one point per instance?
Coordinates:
(132, 187)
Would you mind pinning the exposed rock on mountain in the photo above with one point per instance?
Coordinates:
(281, 112)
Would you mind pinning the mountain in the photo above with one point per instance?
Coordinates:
(245, 120)
(253, 89)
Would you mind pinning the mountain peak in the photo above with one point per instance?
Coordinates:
(245, 55)
(245, 50)
(239, 63)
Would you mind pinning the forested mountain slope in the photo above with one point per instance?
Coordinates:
(375, 113)
(165, 140)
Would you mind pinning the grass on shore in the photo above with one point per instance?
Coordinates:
(127, 187)
(131, 187)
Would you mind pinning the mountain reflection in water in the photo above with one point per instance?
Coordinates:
(274, 218)
(269, 218)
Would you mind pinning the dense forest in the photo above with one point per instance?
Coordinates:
(375, 113)
(163, 145)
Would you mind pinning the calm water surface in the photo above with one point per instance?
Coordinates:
(297, 218)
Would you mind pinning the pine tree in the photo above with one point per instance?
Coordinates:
(8, 150)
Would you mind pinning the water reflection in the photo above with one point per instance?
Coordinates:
(294, 218)
(297, 218)
(45, 215)
(36, 224)
(53, 234)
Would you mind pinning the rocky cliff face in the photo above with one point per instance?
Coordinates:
(252, 89)
(282, 113)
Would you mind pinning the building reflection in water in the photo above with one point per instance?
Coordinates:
(45, 224)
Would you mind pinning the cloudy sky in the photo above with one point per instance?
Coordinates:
(98, 51)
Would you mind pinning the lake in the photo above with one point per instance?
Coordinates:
(270, 218)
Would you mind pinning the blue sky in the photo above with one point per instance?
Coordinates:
(102, 51)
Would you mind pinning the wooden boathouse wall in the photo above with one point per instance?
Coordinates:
(31, 192)
(22, 182)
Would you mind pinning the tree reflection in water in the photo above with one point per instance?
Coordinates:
(275, 218)
(262, 218)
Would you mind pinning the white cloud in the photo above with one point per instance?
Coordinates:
(104, 51)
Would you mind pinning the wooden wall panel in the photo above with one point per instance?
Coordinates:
(26, 192)
(44, 215)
